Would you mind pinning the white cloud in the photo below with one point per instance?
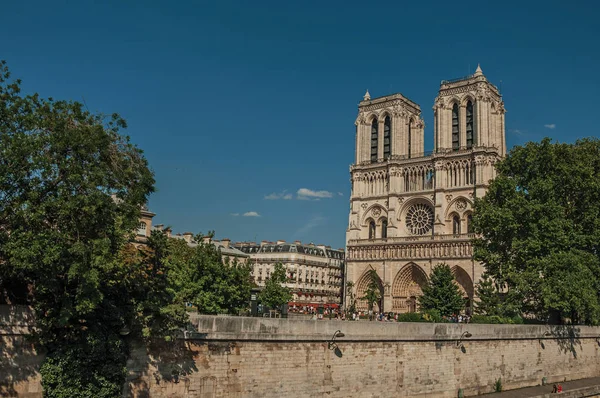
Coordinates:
(235, 214)
(251, 214)
(341, 194)
(275, 196)
(307, 194)
(550, 126)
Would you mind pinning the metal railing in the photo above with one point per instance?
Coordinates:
(458, 79)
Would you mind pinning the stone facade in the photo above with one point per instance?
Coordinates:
(259, 357)
(410, 210)
(315, 272)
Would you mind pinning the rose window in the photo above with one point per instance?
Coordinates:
(419, 219)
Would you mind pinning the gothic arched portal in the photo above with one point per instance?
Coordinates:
(465, 284)
(407, 287)
(361, 288)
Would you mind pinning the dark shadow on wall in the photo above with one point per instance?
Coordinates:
(167, 362)
(19, 360)
(567, 337)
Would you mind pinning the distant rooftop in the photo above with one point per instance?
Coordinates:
(284, 247)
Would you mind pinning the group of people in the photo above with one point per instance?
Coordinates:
(336, 313)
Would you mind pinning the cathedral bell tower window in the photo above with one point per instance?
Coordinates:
(374, 139)
(372, 230)
(455, 129)
(470, 126)
(384, 226)
(387, 138)
(456, 225)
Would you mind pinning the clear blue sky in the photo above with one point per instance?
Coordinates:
(235, 101)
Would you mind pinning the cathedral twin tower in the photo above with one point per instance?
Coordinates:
(411, 210)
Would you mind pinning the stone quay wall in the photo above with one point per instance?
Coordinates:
(260, 357)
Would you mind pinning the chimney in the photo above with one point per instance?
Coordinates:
(225, 242)
(159, 226)
(264, 242)
(168, 231)
(188, 236)
(206, 239)
(280, 242)
(297, 242)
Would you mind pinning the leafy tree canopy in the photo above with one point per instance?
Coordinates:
(275, 293)
(200, 276)
(71, 190)
(441, 293)
(539, 226)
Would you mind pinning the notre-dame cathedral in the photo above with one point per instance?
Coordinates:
(410, 210)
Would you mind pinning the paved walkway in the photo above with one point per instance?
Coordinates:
(575, 388)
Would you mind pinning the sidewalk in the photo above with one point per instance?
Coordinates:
(576, 388)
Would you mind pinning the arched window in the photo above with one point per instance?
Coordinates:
(470, 125)
(409, 137)
(455, 128)
(456, 225)
(470, 224)
(384, 225)
(374, 137)
(387, 138)
(372, 230)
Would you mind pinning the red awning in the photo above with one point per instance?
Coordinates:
(325, 305)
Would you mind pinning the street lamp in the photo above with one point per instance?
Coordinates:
(459, 341)
(331, 344)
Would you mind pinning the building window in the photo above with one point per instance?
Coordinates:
(409, 137)
(142, 229)
(456, 225)
(374, 137)
(455, 129)
(470, 130)
(387, 138)
(372, 230)
(384, 225)
(470, 224)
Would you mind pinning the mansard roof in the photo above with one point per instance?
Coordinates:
(270, 247)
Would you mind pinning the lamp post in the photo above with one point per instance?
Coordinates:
(460, 339)
(331, 344)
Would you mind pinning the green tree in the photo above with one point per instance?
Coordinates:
(71, 190)
(488, 299)
(373, 292)
(539, 233)
(199, 276)
(275, 293)
(441, 293)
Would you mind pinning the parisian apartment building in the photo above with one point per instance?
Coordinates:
(229, 254)
(315, 272)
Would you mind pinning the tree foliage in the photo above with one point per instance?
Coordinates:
(441, 293)
(539, 230)
(199, 276)
(71, 190)
(488, 298)
(275, 293)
